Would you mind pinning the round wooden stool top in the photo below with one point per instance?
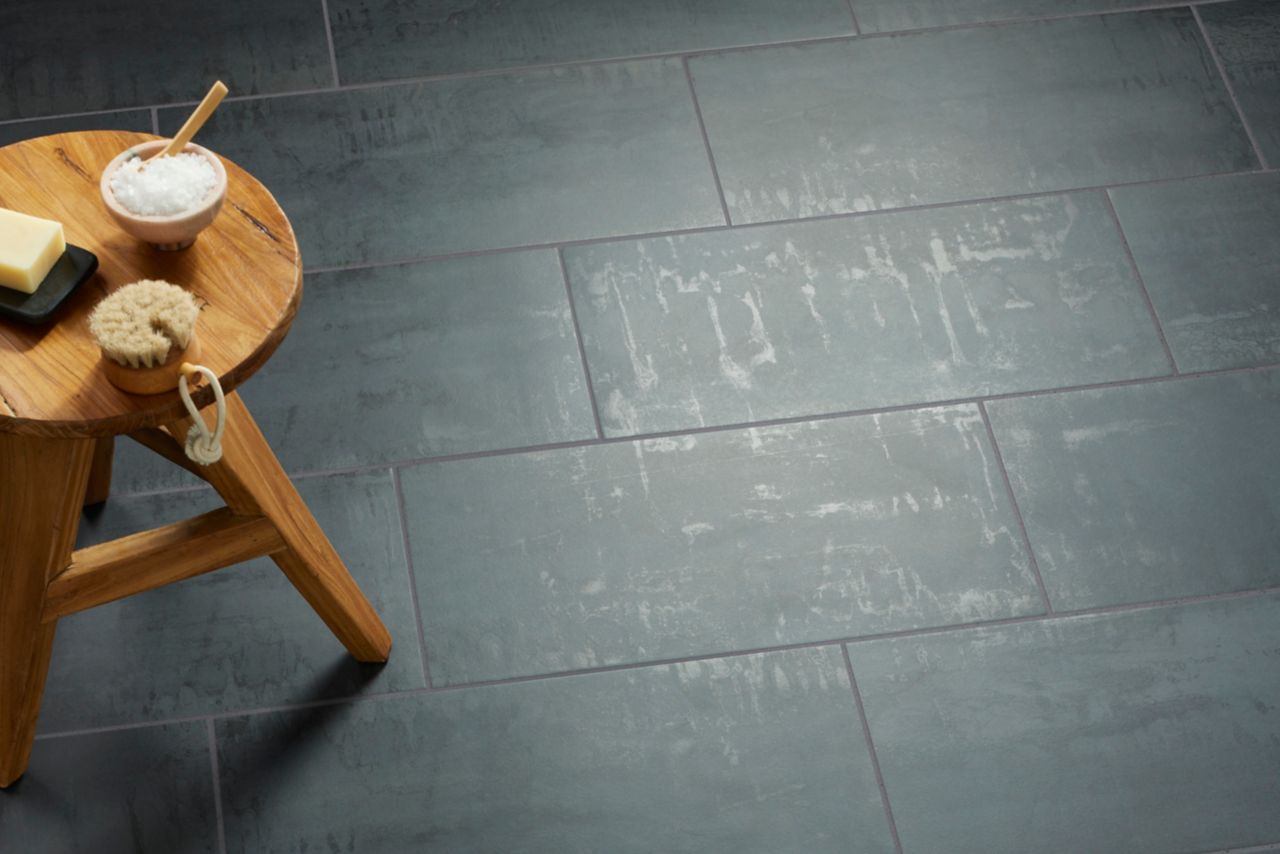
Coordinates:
(244, 270)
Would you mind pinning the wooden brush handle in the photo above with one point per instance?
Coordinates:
(154, 380)
(197, 120)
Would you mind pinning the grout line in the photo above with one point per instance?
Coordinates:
(871, 749)
(1084, 13)
(217, 786)
(202, 486)
(725, 428)
(369, 468)
(706, 142)
(168, 490)
(687, 54)
(582, 349)
(1226, 81)
(1263, 848)
(155, 121)
(827, 416)
(857, 30)
(501, 250)
(328, 34)
(902, 634)
(126, 727)
(413, 582)
(1017, 512)
(132, 108)
(1142, 283)
(899, 634)
(739, 48)
(513, 70)
(82, 114)
(800, 220)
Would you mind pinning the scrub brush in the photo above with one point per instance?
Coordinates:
(146, 330)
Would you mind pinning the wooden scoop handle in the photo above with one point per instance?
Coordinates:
(197, 120)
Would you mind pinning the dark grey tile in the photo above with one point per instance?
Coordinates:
(384, 39)
(964, 114)
(732, 327)
(750, 754)
(138, 790)
(695, 545)
(136, 469)
(241, 637)
(1247, 37)
(431, 168)
(414, 361)
(879, 16)
(139, 120)
(1152, 731)
(396, 363)
(1208, 253)
(67, 57)
(1151, 491)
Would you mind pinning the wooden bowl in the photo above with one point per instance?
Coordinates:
(175, 231)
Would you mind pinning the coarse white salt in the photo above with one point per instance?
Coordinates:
(163, 186)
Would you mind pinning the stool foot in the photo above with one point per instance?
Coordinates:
(41, 495)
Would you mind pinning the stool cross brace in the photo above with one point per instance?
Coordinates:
(44, 483)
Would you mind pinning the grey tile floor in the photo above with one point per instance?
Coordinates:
(764, 427)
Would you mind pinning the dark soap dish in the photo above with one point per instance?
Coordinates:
(74, 267)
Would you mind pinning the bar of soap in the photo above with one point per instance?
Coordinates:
(29, 247)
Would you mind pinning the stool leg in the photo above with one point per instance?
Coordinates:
(251, 481)
(100, 475)
(41, 493)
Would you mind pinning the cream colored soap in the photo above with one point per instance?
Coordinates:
(29, 247)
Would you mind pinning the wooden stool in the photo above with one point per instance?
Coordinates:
(59, 414)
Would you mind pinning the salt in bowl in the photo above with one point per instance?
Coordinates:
(174, 231)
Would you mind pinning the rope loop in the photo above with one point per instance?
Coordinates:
(202, 446)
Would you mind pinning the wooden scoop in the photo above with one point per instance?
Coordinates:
(196, 121)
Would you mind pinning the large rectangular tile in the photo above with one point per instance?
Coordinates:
(401, 362)
(139, 120)
(1146, 733)
(396, 363)
(430, 168)
(241, 637)
(694, 545)
(1151, 491)
(751, 754)
(878, 16)
(383, 39)
(731, 327)
(964, 114)
(1247, 36)
(137, 790)
(1208, 253)
(66, 57)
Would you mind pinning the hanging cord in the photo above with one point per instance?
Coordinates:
(202, 446)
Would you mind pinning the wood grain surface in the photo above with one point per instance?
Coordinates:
(245, 270)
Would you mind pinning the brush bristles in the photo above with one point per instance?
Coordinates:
(138, 324)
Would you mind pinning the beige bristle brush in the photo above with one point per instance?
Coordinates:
(146, 331)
